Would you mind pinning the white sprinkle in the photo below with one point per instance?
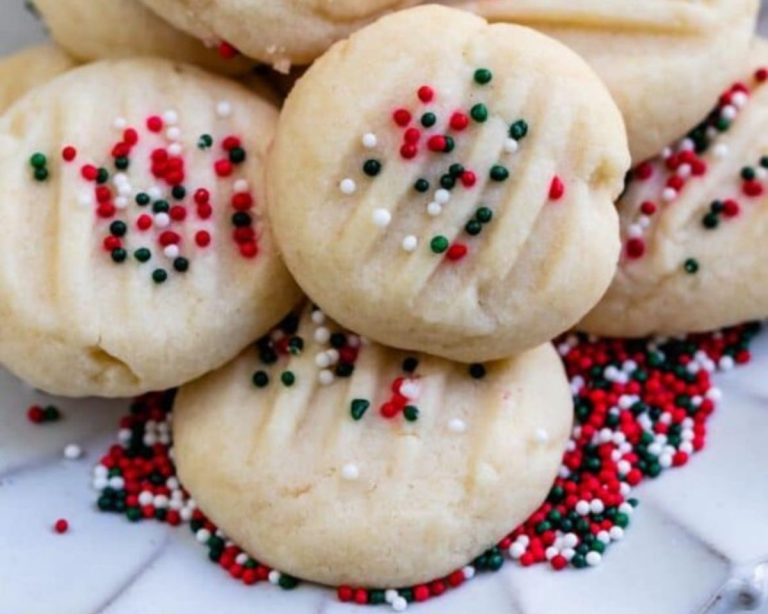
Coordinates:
(333, 355)
(173, 134)
(369, 140)
(322, 360)
(171, 251)
(728, 112)
(582, 508)
(726, 363)
(604, 537)
(410, 389)
(120, 123)
(739, 99)
(669, 194)
(322, 334)
(162, 220)
(593, 558)
(616, 533)
(155, 193)
(223, 109)
(241, 559)
(318, 317)
(469, 572)
(551, 553)
(516, 550)
(274, 576)
(381, 217)
(116, 482)
(457, 425)
(203, 535)
(390, 595)
(410, 243)
(568, 553)
(241, 185)
(145, 498)
(596, 506)
(73, 452)
(100, 483)
(761, 172)
(326, 377)
(350, 471)
(348, 186)
(687, 145)
(121, 202)
(541, 435)
(684, 171)
(442, 196)
(85, 200)
(175, 149)
(434, 209)
(160, 501)
(119, 178)
(399, 604)
(170, 117)
(511, 146)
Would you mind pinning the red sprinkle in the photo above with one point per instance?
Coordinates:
(402, 117)
(459, 120)
(456, 252)
(426, 93)
(69, 153)
(203, 238)
(556, 188)
(227, 51)
(635, 248)
(436, 143)
(61, 526)
(154, 123)
(223, 168)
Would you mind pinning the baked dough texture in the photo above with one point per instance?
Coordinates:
(29, 68)
(279, 32)
(294, 479)
(444, 185)
(114, 29)
(695, 224)
(134, 254)
(663, 60)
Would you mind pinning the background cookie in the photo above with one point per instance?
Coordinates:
(135, 256)
(29, 68)
(442, 185)
(349, 463)
(113, 29)
(662, 60)
(695, 224)
(279, 32)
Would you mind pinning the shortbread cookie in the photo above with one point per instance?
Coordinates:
(29, 68)
(446, 186)
(278, 32)
(134, 254)
(112, 29)
(695, 225)
(663, 60)
(344, 462)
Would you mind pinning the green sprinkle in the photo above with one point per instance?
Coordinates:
(484, 215)
(477, 370)
(161, 206)
(287, 582)
(764, 161)
(260, 379)
(338, 340)
(447, 181)
(710, 221)
(117, 228)
(102, 176)
(288, 378)
(376, 597)
(455, 170)
(421, 185)
(691, 266)
(723, 124)
(358, 408)
(372, 167)
(296, 345)
(51, 413)
(119, 254)
(479, 112)
(205, 141)
(411, 413)
(122, 163)
(428, 120)
(717, 206)
(142, 254)
(179, 192)
(438, 244)
(181, 264)
(38, 160)
(499, 173)
(483, 76)
(237, 155)
(241, 219)
(159, 276)
(747, 173)
(142, 199)
(41, 174)
(473, 227)
(410, 364)
(519, 130)
(450, 144)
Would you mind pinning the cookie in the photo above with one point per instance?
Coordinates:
(136, 255)
(694, 224)
(280, 32)
(341, 461)
(113, 29)
(443, 185)
(663, 61)
(29, 68)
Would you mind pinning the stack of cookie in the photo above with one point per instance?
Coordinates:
(364, 285)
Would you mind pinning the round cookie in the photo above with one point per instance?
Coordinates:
(279, 32)
(341, 461)
(113, 29)
(135, 255)
(449, 193)
(695, 224)
(663, 60)
(29, 68)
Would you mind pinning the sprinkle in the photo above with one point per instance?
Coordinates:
(479, 112)
(381, 217)
(426, 93)
(73, 451)
(326, 377)
(691, 266)
(457, 425)
(438, 244)
(402, 117)
(370, 140)
(456, 252)
(61, 526)
(511, 146)
(442, 196)
(434, 209)
(358, 408)
(350, 471)
(556, 188)
(410, 243)
(348, 186)
(223, 109)
(499, 173)
(477, 370)
(541, 435)
(518, 130)
(483, 76)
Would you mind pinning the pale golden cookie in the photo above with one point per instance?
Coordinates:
(663, 60)
(135, 255)
(446, 186)
(344, 462)
(695, 225)
(113, 29)
(29, 68)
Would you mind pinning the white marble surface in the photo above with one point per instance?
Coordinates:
(695, 543)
